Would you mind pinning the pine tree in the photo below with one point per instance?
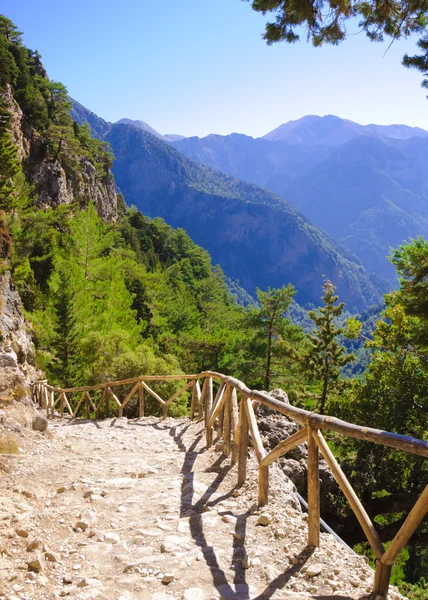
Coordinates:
(273, 331)
(9, 162)
(65, 328)
(326, 355)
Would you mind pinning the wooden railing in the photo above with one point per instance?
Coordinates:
(231, 413)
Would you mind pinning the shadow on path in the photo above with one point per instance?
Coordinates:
(194, 512)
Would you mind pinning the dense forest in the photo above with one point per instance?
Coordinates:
(111, 299)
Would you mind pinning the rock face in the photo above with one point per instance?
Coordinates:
(54, 187)
(54, 184)
(16, 347)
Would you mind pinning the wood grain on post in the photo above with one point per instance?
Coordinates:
(68, 406)
(152, 393)
(255, 434)
(218, 396)
(202, 400)
(234, 425)
(220, 420)
(382, 579)
(198, 402)
(313, 491)
(193, 401)
(243, 444)
(285, 446)
(227, 422)
(61, 406)
(208, 407)
(218, 407)
(140, 400)
(113, 395)
(263, 495)
(345, 486)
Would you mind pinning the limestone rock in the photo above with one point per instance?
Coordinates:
(265, 519)
(313, 570)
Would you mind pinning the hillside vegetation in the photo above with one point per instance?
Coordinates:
(111, 293)
(257, 237)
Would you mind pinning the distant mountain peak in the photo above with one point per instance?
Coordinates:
(170, 137)
(331, 130)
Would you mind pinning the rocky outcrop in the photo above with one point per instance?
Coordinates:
(18, 129)
(52, 184)
(17, 351)
(54, 187)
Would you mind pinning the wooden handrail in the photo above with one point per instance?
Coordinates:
(236, 422)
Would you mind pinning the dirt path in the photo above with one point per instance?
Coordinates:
(128, 510)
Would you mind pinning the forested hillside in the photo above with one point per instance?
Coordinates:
(257, 237)
(365, 185)
(110, 293)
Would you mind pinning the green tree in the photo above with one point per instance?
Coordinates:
(65, 326)
(9, 162)
(411, 262)
(272, 327)
(325, 355)
(9, 30)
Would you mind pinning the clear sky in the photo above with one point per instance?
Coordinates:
(196, 67)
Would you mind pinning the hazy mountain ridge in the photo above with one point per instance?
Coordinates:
(368, 191)
(334, 131)
(257, 237)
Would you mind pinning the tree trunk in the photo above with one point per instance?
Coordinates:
(324, 390)
(268, 360)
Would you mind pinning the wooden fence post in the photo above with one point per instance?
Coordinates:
(208, 406)
(234, 425)
(227, 424)
(313, 491)
(140, 401)
(243, 443)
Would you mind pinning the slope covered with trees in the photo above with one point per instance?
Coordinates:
(111, 293)
(257, 237)
(366, 186)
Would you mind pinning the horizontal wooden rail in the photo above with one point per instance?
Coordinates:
(367, 434)
(236, 421)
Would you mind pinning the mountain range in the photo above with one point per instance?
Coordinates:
(365, 185)
(256, 236)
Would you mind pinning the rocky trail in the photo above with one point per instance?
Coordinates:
(138, 509)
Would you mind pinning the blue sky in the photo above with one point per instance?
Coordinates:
(196, 67)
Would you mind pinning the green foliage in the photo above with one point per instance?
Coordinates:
(394, 397)
(325, 355)
(411, 262)
(273, 338)
(46, 106)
